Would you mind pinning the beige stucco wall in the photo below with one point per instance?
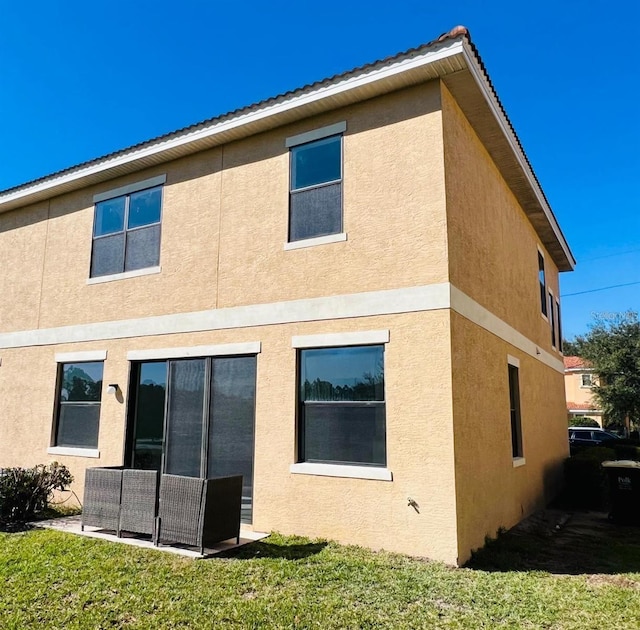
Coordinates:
(225, 222)
(493, 248)
(491, 492)
(366, 512)
(574, 390)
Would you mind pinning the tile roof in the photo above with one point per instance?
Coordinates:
(576, 363)
(455, 32)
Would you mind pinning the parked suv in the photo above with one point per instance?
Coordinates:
(590, 436)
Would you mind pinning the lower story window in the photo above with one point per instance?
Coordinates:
(78, 409)
(514, 405)
(341, 406)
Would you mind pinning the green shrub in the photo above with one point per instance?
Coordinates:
(25, 492)
(627, 449)
(581, 421)
(586, 482)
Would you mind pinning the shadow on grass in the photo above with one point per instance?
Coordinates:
(260, 549)
(587, 543)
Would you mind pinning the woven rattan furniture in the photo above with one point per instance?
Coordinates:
(199, 512)
(139, 501)
(102, 493)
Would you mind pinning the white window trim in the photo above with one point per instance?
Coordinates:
(79, 357)
(74, 451)
(519, 461)
(130, 188)
(316, 134)
(552, 300)
(544, 258)
(318, 240)
(338, 470)
(124, 275)
(327, 340)
(251, 347)
(511, 360)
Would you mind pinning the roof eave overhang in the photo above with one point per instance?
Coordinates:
(453, 60)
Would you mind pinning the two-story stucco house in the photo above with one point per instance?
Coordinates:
(348, 293)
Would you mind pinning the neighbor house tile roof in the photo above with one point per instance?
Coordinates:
(576, 363)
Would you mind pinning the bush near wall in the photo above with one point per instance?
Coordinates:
(25, 493)
(586, 481)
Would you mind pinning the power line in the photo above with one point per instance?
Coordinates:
(613, 286)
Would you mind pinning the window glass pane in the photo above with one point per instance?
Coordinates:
(109, 216)
(316, 162)
(81, 382)
(514, 403)
(108, 255)
(185, 417)
(78, 425)
(149, 428)
(351, 434)
(335, 374)
(143, 248)
(144, 207)
(231, 423)
(316, 212)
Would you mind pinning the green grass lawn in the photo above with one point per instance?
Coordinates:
(50, 579)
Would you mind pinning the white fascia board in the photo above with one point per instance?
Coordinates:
(380, 74)
(494, 106)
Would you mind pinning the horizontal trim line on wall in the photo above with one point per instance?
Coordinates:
(318, 240)
(130, 188)
(219, 350)
(93, 453)
(390, 302)
(136, 273)
(88, 355)
(408, 300)
(339, 470)
(340, 339)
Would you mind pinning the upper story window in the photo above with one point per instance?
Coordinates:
(586, 380)
(315, 195)
(126, 229)
(552, 320)
(543, 284)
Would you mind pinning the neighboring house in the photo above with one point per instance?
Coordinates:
(348, 293)
(579, 380)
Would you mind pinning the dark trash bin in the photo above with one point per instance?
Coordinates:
(624, 491)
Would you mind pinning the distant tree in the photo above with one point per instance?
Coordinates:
(612, 346)
(569, 348)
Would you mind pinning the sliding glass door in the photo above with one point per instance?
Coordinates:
(196, 417)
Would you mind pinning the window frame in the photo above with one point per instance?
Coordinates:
(126, 192)
(515, 412)
(542, 284)
(333, 467)
(552, 320)
(307, 138)
(590, 384)
(62, 360)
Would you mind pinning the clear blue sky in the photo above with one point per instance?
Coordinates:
(81, 79)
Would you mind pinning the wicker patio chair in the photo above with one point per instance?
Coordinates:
(199, 512)
(102, 493)
(139, 501)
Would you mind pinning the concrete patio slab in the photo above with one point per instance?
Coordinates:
(72, 525)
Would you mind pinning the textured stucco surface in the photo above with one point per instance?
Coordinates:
(491, 492)
(366, 512)
(423, 203)
(493, 249)
(225, 221)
